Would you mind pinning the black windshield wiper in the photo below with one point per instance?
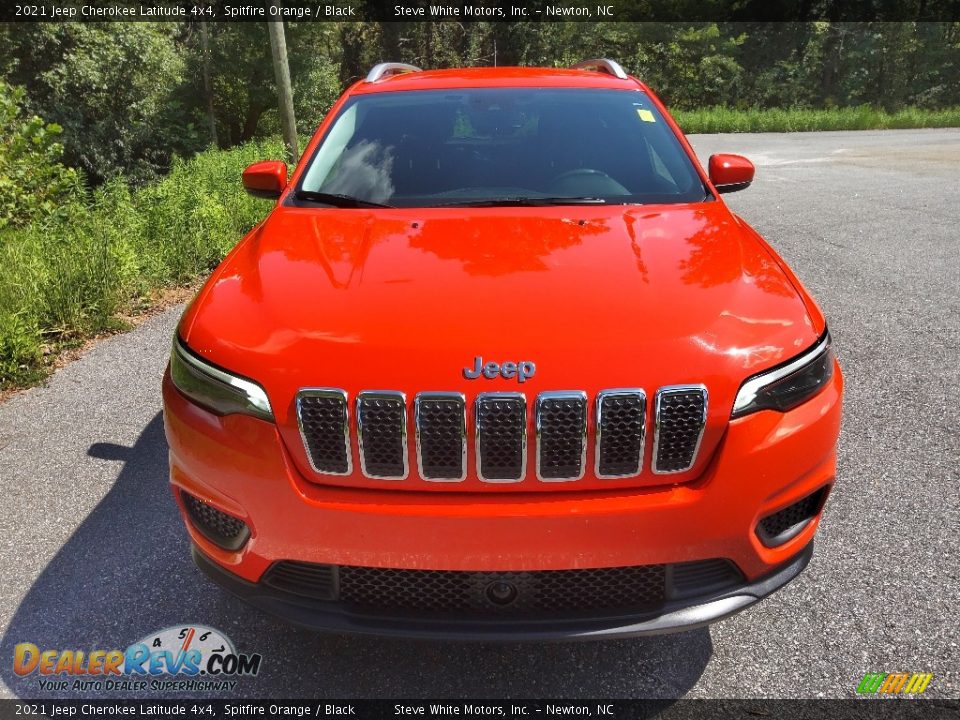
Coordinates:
(337, 200)
(523, 201)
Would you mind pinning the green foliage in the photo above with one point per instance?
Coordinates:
(314, 93)
(112, 87)
(32, 179)
(693, 67)
(244, 90)
(725, 120)
(67, 276)
(242, 77)
(20, 355)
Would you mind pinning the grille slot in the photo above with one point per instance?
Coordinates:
(224, 530)
(696, 578)
(561, 421)
(621, 431)
(382, 429)
(786, 524)
(440, 419)
(501, 443)
(305, 579)
(681, 414)
(322, 416)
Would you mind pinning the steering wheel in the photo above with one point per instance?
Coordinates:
(578, 173)
(586, 181)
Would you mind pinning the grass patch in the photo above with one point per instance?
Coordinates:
(727, 120)
(73, 274)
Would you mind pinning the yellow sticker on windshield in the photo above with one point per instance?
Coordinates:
(646, 115)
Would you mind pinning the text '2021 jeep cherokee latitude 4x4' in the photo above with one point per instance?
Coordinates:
(502, 363)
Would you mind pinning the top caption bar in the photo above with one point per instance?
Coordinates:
(484, 11)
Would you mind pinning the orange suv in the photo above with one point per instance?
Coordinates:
(501, 363)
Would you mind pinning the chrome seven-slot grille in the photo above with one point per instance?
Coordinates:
(500, 443)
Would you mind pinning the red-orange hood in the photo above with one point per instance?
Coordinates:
(597, 297)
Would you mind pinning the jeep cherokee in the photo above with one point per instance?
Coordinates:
(501, 363)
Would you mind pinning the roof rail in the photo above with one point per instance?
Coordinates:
(383, 70)
(602, 65)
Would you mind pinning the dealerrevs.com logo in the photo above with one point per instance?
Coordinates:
(185, 658)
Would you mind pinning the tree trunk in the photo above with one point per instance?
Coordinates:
(254, 111)
(281, 70)
(351, 57)
(831, 64)
(207, 84)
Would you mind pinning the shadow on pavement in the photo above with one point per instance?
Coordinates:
(126, 572)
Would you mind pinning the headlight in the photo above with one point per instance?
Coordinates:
(789, 385)
(216, 389)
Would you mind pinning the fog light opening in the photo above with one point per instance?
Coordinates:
(218, 527)
(784, 525)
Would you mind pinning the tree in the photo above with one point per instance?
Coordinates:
(33, 181)
(245, 87)
(112, 87)
(281, 73)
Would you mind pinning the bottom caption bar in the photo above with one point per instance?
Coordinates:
(852, 709)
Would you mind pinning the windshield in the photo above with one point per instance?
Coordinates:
(487, 146)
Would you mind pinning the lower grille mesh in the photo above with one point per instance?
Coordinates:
(501, 594)
(451, 591)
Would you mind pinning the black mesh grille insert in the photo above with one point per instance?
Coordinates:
(499, 594)
(561, 428)
(225, 530)
(323, 423)
(621, 422)
(441, 436)
(776, 529)
(382, 426)
(501, 436)
(440, 591)
(680, 419)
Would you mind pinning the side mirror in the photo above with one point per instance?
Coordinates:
(265, 179)
(730, 173)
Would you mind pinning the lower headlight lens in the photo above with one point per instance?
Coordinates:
(215, 389)
(789, 385)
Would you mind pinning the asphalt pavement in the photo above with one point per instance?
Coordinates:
(94, 554)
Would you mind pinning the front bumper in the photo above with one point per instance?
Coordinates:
(674, 616)
(764, 463)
